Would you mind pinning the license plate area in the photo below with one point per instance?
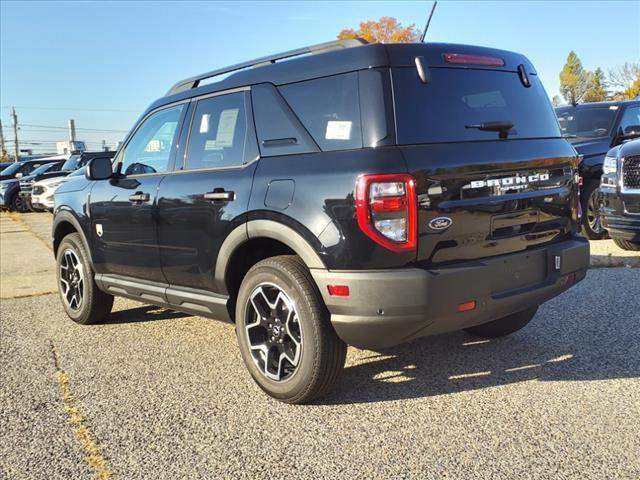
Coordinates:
(515, 273)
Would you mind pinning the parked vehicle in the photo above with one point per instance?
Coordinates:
(593, 128)
(315, 206)
(42, 195)
(4, 165)
(25, 183)
(22, 169)
(10, 198)
(72, 163)
(621, 195)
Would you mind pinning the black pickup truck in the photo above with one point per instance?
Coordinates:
(594, 128)
(344, 193)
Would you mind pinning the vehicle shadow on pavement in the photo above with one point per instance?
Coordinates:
(146, 313)
(582, 347)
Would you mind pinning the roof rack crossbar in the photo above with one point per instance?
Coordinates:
(193, 82)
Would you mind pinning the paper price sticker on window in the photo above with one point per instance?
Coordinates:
(338, 130)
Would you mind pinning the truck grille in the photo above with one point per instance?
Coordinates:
(25, 186)
(37, 190)
(631, 172)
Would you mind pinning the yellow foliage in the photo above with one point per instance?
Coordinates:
(385, 30)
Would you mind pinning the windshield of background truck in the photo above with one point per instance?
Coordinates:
(588, 122)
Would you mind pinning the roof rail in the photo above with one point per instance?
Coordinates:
(193, 82)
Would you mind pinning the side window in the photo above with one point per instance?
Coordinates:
(149, 151)
(329, 109)
(218, 132)
(630, 120)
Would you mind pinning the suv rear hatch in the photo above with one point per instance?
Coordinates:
(483, 188)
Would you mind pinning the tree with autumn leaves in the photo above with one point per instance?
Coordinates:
(385, 30)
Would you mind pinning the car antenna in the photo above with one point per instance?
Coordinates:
(426, 27)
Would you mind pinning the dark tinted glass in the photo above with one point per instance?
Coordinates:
(218, 132)
(586, 122)
(630, 120)
(47, 167)
(441, 110)
(329, 109)
(71, 164)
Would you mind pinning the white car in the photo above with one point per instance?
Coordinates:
(42, 193)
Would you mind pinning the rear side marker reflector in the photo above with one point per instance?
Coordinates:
(338, 290)
(467, 306)
(464, 59)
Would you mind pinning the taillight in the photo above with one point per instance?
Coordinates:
(464, 59)
(386, 208)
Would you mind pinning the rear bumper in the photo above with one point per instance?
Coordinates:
(388, 307)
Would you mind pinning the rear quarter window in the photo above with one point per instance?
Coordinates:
(455, 98)
(329, 108)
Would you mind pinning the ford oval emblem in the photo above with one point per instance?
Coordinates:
(440, 223)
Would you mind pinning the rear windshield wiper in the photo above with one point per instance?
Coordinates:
(501, 127)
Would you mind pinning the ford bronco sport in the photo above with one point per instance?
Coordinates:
(360, 194)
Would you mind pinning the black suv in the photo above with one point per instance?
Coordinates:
(361, 194)
(594, 128)
(620, 189)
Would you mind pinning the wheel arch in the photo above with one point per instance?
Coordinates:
(65, 223)
(274, 237)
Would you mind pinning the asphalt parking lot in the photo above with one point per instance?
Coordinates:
(158, 394)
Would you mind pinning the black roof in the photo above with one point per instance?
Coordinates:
(332, 62)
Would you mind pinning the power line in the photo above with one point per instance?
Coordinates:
(75, 108)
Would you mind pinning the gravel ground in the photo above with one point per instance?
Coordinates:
(159, 394)
(165, 395)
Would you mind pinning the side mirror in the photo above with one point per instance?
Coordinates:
(99, 168)
(630, 131)
(18, 175)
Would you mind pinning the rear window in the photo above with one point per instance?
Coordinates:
(441, 110)
(329, 108)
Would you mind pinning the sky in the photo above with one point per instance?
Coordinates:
(103, 63)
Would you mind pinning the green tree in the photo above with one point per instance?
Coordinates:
(596, 87)
(573, 79)
(556, 101)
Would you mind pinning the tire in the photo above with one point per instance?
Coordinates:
(591, 221)
(83, 302)
(503, 326)
(17, 204)
(627, 245)
(310, 356)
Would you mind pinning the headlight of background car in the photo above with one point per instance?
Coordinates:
(610, 165)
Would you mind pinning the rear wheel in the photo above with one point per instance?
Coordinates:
(82, 300)
(627, 245)
(503, 326)
(591, 200)
(284, 333)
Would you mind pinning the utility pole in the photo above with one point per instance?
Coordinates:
(72, 131)
(14, 118)
(104, 146)
(1, 136)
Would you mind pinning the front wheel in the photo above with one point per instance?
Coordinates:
(627, 245)
(18, 204)
(503, 326)
(284, 333)
(592, 221)
(82, 300)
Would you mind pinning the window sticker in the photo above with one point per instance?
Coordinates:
(204, 123)
(226, 130)
(338, 130)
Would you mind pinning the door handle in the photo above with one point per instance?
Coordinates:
(139, 197)
(220, 195)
